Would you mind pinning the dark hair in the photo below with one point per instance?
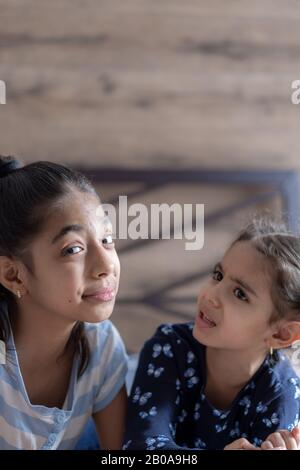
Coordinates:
(28, 195)
(282, 249)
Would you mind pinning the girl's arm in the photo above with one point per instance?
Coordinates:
(275, 414)
(110, 422)
(109, 399)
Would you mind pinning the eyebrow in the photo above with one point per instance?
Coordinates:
(68, 228)
(77, 228)
(238, 281)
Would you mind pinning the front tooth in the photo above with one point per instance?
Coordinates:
(210, 321)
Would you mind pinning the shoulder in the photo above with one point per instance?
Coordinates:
(276, 398)
(107, 367)
(174, 340)
(178, 333)
(101, 330)
(280, 382)
(173, 355)
(284, 374)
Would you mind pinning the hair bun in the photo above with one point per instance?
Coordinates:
(8, 165)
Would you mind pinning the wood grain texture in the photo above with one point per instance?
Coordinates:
(154, 83)
(151, 83)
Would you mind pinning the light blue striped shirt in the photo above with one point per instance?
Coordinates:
(27, 426)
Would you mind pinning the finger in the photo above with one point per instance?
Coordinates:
(240, 444)
(267, 445)
(292, 444)
(289, 440)
(296, 434)
(249, 446)
(246, 445)
(276, 440)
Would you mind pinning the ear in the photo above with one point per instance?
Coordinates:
(10, 274)
(286, 334)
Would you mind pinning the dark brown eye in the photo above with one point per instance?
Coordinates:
(240, 294)
(67, 252)
(108, 240)
(217, 275)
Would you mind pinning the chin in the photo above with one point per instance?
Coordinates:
(195, 332)
(96, 316)
(199, 337)
(96, 312)
(99, 317)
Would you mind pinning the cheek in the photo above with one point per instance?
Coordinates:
(69, 282)
(243, 321)
(116, 262)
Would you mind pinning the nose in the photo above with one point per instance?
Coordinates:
(214, 302)
(103, 265)
(212, 297)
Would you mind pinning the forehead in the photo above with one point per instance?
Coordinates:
(243, 261)
(75, 208)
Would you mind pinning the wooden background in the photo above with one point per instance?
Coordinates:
(151, 84)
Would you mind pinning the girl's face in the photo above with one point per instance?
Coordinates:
(235, 306)
(76, 267)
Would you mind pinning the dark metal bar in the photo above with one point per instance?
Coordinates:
(182, 176)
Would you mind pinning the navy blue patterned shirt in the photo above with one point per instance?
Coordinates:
(168, 408)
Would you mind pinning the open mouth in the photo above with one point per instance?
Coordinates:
(204, 322)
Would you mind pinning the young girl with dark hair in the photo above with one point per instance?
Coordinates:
(224, 378)
(61, 359)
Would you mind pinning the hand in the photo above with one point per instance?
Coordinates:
(241, 444)
(283, 440)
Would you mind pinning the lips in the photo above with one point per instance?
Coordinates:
(105, 294)
(204, 321)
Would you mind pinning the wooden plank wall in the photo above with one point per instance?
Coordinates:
(143, 83)
(154, 83)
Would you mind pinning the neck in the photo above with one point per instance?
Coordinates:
(228, 372)
(40, 337)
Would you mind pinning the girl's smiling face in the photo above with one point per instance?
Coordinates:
(235, 307)
(76, 267)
